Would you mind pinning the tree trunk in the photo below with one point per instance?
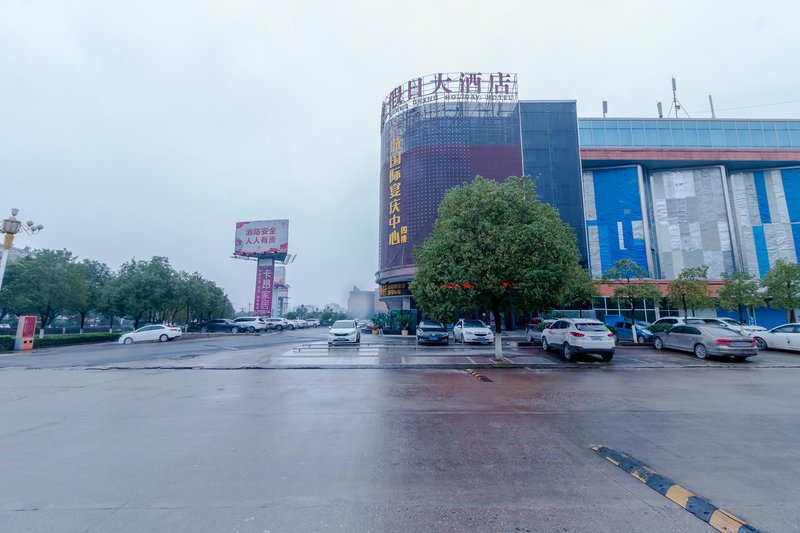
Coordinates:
(83, 321)
(111, 324)
(741, 321)
(498, 326)
(792, 317)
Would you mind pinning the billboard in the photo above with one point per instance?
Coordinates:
(263, 298)
(261, 237)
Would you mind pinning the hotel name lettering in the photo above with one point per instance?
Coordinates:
(399, 231)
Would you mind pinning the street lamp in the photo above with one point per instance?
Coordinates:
(10, 227)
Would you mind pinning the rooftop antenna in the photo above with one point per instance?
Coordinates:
(675, 102)
(711, 103)
(660, 110)
(605, 108)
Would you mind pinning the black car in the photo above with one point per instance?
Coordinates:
(219, 324)
(429, 332)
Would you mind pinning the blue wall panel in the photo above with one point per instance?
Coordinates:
(761, 250)
(791, 186)
(761, 194)
(617, 199)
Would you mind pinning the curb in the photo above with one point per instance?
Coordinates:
(703, 509)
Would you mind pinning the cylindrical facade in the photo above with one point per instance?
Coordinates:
(437, 132)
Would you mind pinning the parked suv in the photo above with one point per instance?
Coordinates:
(253, 324)
(579, 335)
(219, 324)
(277, 323)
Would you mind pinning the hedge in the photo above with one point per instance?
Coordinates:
(7, 341)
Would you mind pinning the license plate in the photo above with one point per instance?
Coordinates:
(740, 343)
(597, 338)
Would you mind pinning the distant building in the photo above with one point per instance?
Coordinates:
(361, 304)
(336, 308)
(16, 253)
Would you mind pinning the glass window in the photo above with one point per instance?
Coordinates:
(770, 139)
(599, 138)
(637, 137)
(678, 137)
(703, 138)
(612, 137)
(743, 137)
(741, 125)
(794, 138)
(726, 125)
(652, 137)
(756, 137)
(715, 125)
(731, 140)
(717, 139)
(624, 137)
(690, 330)
(586, 137)
(664, 137)
(783, 139)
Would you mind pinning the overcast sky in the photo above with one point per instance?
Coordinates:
(133, 129)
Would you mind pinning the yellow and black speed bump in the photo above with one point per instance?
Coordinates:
(717, 518)
(478, 376)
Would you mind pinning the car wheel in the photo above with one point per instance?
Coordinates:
(163, 338)
(234, 329)
(545, 344)
(204, 330)
(529, 336)
(607, 357)
(658, 343)
(128, 341)
(291, 326)
(251, 329)
(700, 351)
(279, 328)
(761, 343)
(568, 352)
(640, 339)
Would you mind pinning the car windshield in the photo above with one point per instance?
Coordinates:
(474, 324)
(343, 324)
(431, 326)
(640, 324)
(590, 326)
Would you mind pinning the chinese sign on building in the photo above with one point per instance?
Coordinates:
(394, 289)
(262, 237)
(399, 232)
(478, 87)
(263, 299)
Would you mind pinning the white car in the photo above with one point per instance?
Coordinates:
(732, 324)
(785, 337)
(344, 331)
(312, 322)
(253, 324)
(467, 330)
(277, 323)
(155, 332)
(532, 332)
(579, 335)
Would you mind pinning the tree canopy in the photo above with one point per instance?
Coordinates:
(492, 244)
(782, 284)
(690, 290)
(741, 290)
(628, 280)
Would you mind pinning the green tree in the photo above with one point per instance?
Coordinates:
(782, 284)
(689, 290)
(740, 291)
(145, 288)
(46, 283)
(96, 275)
(494, 244)
(628, 280)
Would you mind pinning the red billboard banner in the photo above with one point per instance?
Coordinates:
(263, 299)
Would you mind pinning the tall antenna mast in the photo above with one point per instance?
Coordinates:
(675, 103)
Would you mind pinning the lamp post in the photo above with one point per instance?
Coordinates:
(10, 227)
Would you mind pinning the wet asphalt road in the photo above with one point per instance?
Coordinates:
(394, 449)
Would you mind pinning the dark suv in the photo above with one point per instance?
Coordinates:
(219, 324)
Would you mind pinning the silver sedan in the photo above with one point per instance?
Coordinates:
(704, 341)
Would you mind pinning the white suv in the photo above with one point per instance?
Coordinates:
(579, 335)
(252, 324)
(277, 323)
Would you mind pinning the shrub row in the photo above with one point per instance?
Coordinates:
(7, 341)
